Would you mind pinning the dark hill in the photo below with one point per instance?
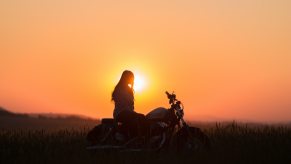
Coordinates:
(10, 120)
(4, 112)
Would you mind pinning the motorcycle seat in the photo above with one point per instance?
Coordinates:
(108, 121)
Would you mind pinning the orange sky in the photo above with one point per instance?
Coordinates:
(224, 59)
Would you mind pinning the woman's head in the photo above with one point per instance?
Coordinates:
(127, 78)
(125, 84)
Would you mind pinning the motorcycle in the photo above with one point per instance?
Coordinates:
(167, 131)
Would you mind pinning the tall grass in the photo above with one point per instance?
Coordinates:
(231, 143)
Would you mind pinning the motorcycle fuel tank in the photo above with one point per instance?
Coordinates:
(159, 113)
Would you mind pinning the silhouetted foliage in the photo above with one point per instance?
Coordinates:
(231, 143)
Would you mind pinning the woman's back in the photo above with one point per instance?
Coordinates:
(123, 99)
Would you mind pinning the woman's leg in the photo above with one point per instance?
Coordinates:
(135, 122)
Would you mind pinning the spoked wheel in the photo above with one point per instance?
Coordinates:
(192, 139)
(101, 137)
(95, 135)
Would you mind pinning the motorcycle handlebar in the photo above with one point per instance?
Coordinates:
(167, 93)
(171, 97)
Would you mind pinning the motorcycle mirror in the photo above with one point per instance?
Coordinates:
(171, 97)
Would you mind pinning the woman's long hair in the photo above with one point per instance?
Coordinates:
(125, 84)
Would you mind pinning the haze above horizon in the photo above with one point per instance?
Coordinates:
(224, 59)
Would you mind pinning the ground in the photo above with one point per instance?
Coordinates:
(231, 143)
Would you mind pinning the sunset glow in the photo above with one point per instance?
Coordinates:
(225, 60)
(139, 83)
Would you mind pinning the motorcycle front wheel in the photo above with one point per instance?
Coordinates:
(191, 139)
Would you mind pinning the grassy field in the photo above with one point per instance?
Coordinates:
(231, 143)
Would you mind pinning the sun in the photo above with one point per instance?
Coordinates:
(139, 82)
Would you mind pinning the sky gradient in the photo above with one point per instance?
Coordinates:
(225, 60)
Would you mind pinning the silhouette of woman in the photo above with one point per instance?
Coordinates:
(123, 97)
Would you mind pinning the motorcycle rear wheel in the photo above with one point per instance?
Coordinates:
(191, 140)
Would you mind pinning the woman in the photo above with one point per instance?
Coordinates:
(123, 97)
